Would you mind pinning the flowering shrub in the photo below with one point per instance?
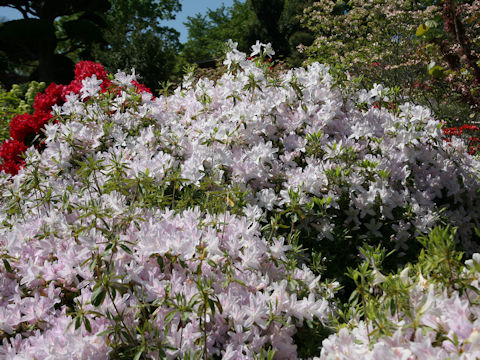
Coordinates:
(198, 224)
(468, 131)
(424, 311)
(427, 49)
(27, 128)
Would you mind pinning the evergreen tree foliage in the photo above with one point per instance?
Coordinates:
(51, 32)
(245, 22)
(136, 38)
(208, 33)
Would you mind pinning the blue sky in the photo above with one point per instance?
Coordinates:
(189, 8)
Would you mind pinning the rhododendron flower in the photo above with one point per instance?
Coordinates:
(11, 151)
(86, 68)
(141, 87)
(54, 95)
(74, 87)
(22, 127)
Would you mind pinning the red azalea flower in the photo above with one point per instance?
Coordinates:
(43, 103)
(74, 87)
(141, 87)
(85, 69)
(11, 150)
(54, 90)
(40, 119)
(106, 85)
(11, 167)
(468, 127)
(22, 126)
(53, 96)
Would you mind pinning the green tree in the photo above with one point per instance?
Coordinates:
(268, 13)
(135, 38)
(274, 21)
(425, 48)
(278, 22)
(208, 33)
(41, 44)
(293, 31)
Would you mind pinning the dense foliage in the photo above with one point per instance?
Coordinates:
(277, 22)
(217, 222)
(208, 33)
(18, 100)
(428, 49)
(51, 36)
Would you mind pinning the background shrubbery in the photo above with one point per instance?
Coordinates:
(18, 100)
(426, 50)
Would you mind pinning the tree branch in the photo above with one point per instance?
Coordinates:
(455, 27)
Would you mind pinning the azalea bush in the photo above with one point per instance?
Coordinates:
(27, 129)
(215, 222)
(426, 310)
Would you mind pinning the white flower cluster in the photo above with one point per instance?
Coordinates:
(80, 239)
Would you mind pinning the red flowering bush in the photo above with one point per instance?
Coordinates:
(26, 130)
(140, 87)
(86, 69)
(469, 132)
(53, 96)
(83, 70)
(22, 126)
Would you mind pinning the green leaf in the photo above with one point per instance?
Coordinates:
(219, 306)
(126, 248)
(78, 322)
(422, 30)
(160, 263)
(86, 322)
(7, 266)
(139, 353)
(92, 265)
(169, 317)
(211, 304)
(435, 70)
(193, 300)
(98, 296)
